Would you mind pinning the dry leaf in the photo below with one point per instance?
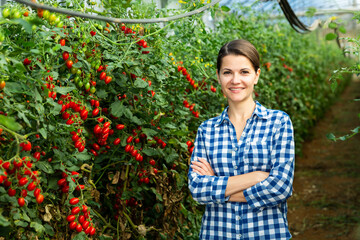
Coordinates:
(47, 216)
(116, 178)
(142, 230)
(96, 195)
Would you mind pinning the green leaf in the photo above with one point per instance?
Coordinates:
(332, 25)
(151, 152)
(25, 24)
(82, 156)
(158, 196)
(330, 36)
(139, 83)
(10, 123)
(43, 132)
(23, 117)
(3, 221)
(117, 109)
(49, 230)
(38, 97)
(56, 47)
(102, 93)
(63, 90)
(149, 132)
(66, 49)
(38, 227)
(171, 157)
(333, 86)
(342, 29)
(20, 223)
(225, 8)
(331, 136)
(25, 216)
(45, 166)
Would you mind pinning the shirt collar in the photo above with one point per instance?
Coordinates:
(259, 111)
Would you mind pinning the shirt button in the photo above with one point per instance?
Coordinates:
(235, 149)
(238, 218)
(235, 167)
(239, 235)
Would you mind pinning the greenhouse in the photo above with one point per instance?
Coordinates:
(178, 119)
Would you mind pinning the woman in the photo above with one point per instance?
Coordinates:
(242, 166)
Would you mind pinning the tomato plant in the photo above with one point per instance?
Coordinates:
(98, 120)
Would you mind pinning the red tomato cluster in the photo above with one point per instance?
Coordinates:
(79, 219)
(188, 77)
(142, 43)
(20, 179)
(80, 115)
(64, 184)
(190, 146)
(191, 108)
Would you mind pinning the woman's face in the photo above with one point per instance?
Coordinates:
(237, 78)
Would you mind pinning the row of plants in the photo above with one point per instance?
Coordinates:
(352, 50)
(97, 120)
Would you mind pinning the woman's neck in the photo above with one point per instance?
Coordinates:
(241, 111)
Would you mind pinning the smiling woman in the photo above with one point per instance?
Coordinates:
(242, 166)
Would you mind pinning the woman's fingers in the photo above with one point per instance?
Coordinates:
(202, 167)
(198, 170)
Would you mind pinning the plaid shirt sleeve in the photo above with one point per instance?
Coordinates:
(278, 186)
(205, 189)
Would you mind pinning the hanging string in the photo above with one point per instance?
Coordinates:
(116, 20)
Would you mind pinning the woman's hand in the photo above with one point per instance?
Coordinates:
(202, 167)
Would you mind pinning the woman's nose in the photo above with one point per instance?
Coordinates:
(236, 79)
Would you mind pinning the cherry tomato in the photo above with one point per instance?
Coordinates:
(79, 228)
(120, 126)
(70, 218)
(21, 201)
(75, 210)
(2, 84)
(6, 12)
(62, 42)
(69, 64)
(117, 141)
(11, 192)
(107, 79)
(40, 198)
(74, 201)
(31, 186)
(95, 112)
(65, 56)
(23, 181)
(37, 192)
(72, 225)
(129, 139)
(102, 75)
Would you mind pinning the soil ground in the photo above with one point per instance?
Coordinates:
(326, 198)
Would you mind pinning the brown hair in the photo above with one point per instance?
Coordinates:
(239, 47)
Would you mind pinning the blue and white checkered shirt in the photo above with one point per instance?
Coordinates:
(266, 144)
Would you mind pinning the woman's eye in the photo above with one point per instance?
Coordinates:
(225, 73)
(245, 72)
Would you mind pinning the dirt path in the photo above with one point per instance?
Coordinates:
(326, 199)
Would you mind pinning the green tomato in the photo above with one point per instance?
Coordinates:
(33, 28)
(92, 89)
(78, 72)
(15, 13)
(60, 24)
(73, 70)
(76, 80)
(2, 37)
(80, 84)
(87, 86)
(6, 12)
(46, 14)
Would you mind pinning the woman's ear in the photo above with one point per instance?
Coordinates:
(257, 75)
(218, 77)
